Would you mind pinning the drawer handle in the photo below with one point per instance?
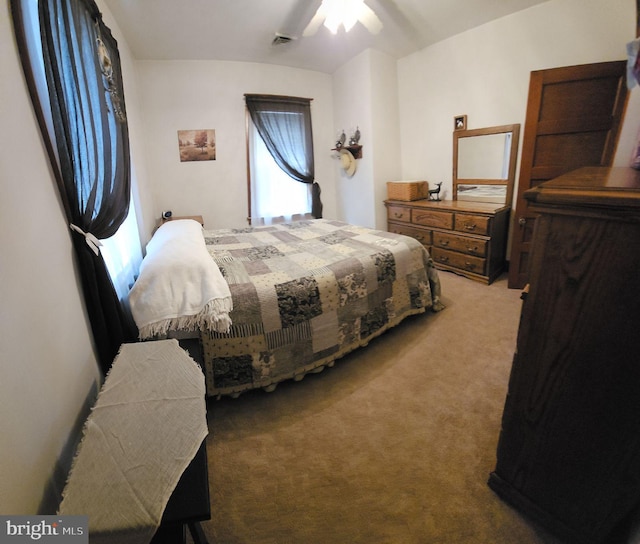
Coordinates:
(443, 259)
(471, 226)
(444, 243)
(398, 215)
(469, 266)
(420, 238)
(473, 249)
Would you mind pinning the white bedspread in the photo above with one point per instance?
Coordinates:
(180, 287)
(144, 430)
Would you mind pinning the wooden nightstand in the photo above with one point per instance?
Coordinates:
(197, 218)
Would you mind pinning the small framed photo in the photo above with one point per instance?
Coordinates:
(460, 122)
(197, 145)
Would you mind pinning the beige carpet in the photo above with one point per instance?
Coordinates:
(393, 444)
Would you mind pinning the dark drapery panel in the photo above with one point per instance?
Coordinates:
(284, 124)
(89, 147)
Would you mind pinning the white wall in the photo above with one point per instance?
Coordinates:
(352, 109)
(366, 96)
(385, 132)
(48, 362)
(484, 73)
(49, 374)
(178, 95)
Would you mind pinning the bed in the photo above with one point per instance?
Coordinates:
(294, 297)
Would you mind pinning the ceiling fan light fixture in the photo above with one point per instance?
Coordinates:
(351, 13)
(340, 12)
(334, 13)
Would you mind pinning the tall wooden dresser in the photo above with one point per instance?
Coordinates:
(569, 449)
(468, 238)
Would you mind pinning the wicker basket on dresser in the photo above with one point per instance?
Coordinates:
(468, 238)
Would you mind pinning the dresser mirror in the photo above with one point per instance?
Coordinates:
(484, 164)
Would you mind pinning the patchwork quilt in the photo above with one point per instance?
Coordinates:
(306, 293)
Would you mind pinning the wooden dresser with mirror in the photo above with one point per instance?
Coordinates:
(467, 234)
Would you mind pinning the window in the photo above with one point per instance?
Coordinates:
(72, 67)
(274, 194)
(122, 255)
(281, 165)
(122, 252)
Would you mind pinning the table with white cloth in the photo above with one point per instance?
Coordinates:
(147, 425)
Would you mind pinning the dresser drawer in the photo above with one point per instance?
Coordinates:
(422, 235)
(398, 213)
(464, 244)
(443, 220)
(469, 263)
(476, 224)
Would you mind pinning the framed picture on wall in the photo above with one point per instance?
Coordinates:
(197, 145)
(460, 122)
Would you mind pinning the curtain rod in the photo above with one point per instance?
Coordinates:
(282, 97)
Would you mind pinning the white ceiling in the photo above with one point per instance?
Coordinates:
(243, 30)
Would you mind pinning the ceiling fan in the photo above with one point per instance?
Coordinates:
(310, 15)
(347, 13)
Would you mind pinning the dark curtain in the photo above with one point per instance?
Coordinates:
(89, 148)
(284, 124)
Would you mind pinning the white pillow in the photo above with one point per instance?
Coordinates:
(180, 287)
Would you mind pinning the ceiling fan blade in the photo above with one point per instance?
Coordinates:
(314, 24)
(299, 16)
(370, 20)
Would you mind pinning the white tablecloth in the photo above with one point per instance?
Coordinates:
(146, 426)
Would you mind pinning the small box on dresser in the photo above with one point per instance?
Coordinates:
(407, 190)
(468, 238)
